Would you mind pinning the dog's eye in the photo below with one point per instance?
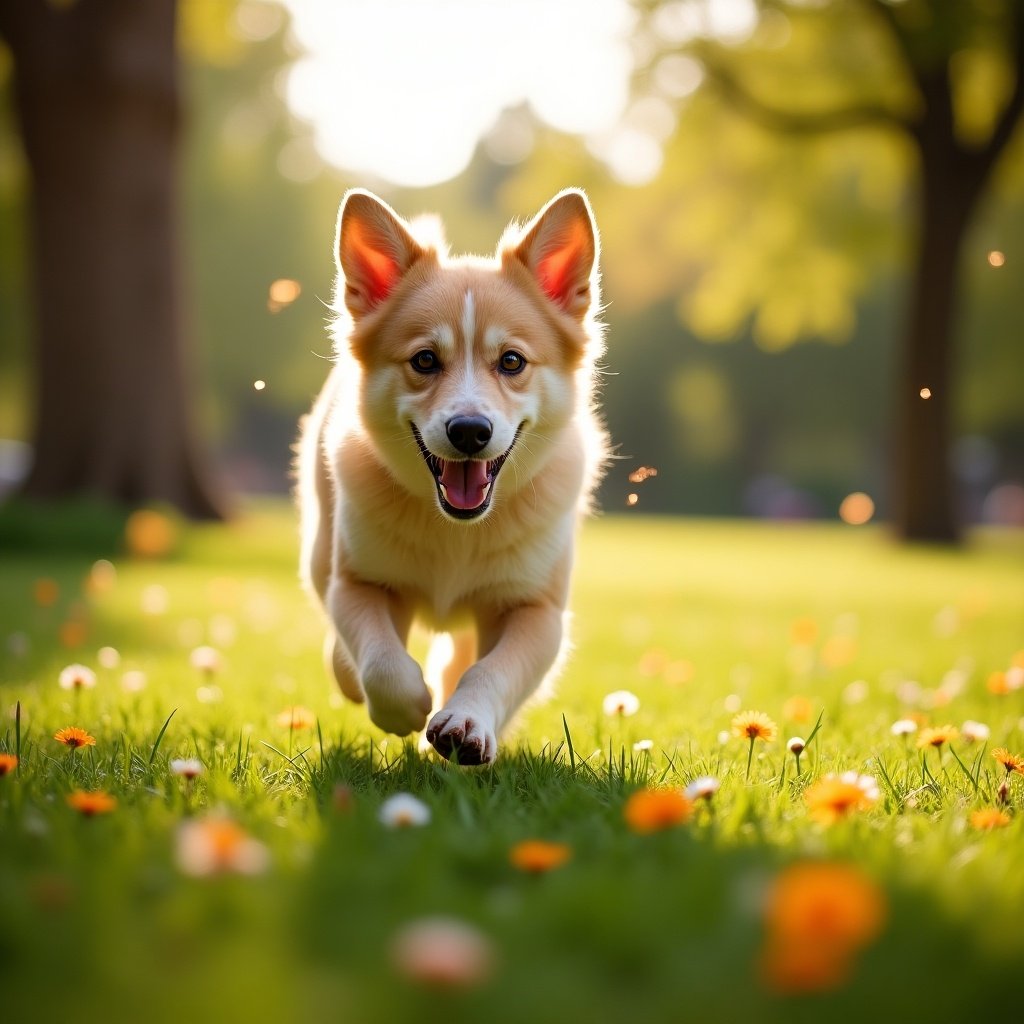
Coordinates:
(512, 363)
(425, 362)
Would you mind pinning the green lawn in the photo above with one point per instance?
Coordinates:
(99, 920)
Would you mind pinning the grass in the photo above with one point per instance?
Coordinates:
(98, 921)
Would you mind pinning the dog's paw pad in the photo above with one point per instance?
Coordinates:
(462, 739)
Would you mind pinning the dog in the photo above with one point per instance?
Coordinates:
(446, 463)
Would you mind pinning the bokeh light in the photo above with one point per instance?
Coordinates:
(856, 509)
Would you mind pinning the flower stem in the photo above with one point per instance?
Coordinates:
(750, 757)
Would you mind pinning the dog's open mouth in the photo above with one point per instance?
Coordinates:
(464, 486)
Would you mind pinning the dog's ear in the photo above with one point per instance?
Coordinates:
(374, 249)
(559, 248)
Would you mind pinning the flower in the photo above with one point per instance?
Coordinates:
(210, 845)
(903, 727)
(403, 810)
(641, 745)
(8, 762)
(77, 677)
(187, 767)
(795, 745)
(797, 709)
(702, 788)
(936, 736)
(133, 681)
(754, 725)
(817, 917)
(989, 818)
(835, 796)
(443, 953)
(621, 703)
(108, 657)
(205, 659)
(975, 732)
(997, 683)
(1011, 762)
(45, 592)
(91, 802)
(150, 534)
(296, 717)
(536, 856)
(652, 810)
(74, 737)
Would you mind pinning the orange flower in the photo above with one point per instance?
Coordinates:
(835, 796)
(537, 856)
(1011, 762)
(997, 683)
(652, 810)
(207, 846)
(797, 709)
(754, 725)
(45, 592)
(150, 534)
(793, 967)
(296, 717)
(831, 904)
(817, 916)
(8, 762)
(936, 736)
(74, 737)
(803, 632)
(92, 802)
(989, 818)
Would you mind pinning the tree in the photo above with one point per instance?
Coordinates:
(952, 85)
(98, 104)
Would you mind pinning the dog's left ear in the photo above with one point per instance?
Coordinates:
(559, 248)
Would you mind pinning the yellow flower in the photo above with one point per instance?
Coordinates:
(936, 736)
(74, 737)
(1011, 762)
(537, 855)
(797, 709)
(92, 802)
(652, 810)
(754, 725)
(989, 818)
(835, 796)
(8, 762)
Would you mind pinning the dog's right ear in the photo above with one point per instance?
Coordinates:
(374, 249)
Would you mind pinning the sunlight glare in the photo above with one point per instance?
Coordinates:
(403, 90)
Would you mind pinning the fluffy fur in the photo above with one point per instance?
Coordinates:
(406, 515)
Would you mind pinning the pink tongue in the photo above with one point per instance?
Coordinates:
(465, 483)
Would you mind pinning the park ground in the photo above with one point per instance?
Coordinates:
(268, 887)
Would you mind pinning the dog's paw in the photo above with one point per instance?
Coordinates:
(396, 696)
(463, 737)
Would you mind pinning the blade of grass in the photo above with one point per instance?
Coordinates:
(963, 768)
(160, 736)
(568, 740)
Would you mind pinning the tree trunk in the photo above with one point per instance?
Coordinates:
(98, 103)
(924, 502)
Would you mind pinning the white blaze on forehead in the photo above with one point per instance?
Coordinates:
(468, 320)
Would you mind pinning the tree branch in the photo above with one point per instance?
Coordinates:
(793, 122)
(1011, 114)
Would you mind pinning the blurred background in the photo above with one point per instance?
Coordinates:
(812, 216)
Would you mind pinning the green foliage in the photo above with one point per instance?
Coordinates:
(685, 614)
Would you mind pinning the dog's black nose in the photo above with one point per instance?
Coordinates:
(469, 434)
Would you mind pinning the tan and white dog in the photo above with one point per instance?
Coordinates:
(447, 461)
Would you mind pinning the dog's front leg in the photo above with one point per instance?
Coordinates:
(521, 645)
(373, 623)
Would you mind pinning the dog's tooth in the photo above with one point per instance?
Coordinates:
(444, 490)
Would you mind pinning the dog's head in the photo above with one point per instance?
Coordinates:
(468, 367)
